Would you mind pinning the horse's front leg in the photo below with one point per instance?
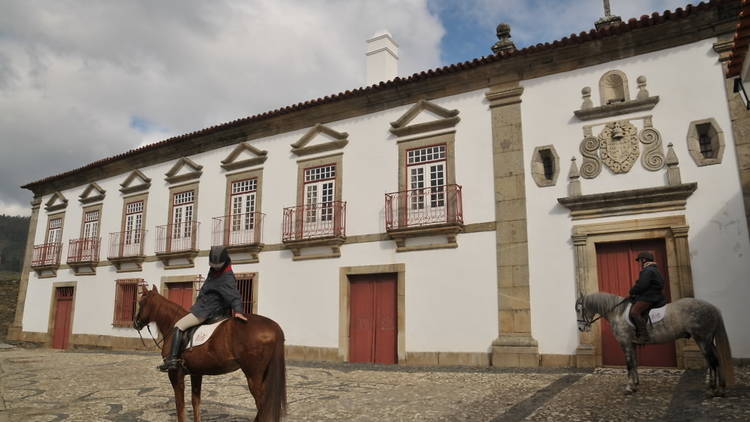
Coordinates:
(632, 365)
(195, 387)
(177, 378)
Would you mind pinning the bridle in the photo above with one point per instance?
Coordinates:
(137, 322)
(587, 320)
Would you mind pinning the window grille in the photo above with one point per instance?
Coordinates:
(91, 216)
(55, 223)
(183, 198)
(134, 207)
(423, 155)
(244, 186)
(548, 162)
(245, 286)
(125, 301)
(320, 173)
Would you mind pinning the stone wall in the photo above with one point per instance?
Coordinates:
(8, 297)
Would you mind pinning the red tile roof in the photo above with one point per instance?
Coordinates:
(583, 37)
(741, 42)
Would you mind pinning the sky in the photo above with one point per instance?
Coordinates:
(82, 80)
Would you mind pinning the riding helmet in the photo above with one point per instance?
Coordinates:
(648, 256)
(218, 257)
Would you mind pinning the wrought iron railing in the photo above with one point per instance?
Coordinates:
(46, 254)
(237, 229)
(177, 237)
(423, 207)
(303, 222)
(126, 244)
(85, 249)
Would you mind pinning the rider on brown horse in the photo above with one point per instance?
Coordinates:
(218, 294)
(647, 293)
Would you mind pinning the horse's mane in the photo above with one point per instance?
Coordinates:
(600, 302)
(167, 305)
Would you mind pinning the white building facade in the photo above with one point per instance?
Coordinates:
(435, 219)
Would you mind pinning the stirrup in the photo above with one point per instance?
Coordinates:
(170, 364)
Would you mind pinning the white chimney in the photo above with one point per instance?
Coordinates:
(382, 58)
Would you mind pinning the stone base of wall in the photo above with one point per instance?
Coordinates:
(8, 300)
(324, 354)
(446, 359)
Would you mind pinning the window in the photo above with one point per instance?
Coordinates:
(427, 179)
(245, 286)
(319, 193)
(243, 202)
(545, 166)
(54, 230)
(126, 297)
(91, 224)
(705, 142)
(133, 223)
(182, 214)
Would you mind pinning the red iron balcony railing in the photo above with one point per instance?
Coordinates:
(315, 221)
(237, 229)
(83, 250)
(126, 244)
(46, 254)
(424, 207)
(177, 237)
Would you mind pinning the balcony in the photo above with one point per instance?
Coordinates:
(241, 234)
(126, 250)
(315, 225)
(435, 211)
(83, 255)
(45, 259)
(177, 244)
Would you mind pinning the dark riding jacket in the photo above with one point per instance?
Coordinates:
(218, 295)
(649, 287)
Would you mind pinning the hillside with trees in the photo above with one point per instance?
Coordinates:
(13, 232)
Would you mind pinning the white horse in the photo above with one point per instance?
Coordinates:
(684, 318)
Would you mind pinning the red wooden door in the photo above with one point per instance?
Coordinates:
(63, 317)
(181, 294)
(372, 319)
(618, 271)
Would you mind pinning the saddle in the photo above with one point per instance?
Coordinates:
(199, 334)
(654, 314)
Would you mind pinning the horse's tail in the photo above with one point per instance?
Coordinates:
(725, 352)
(274, 403)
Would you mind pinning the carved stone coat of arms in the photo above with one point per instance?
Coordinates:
(618, 146)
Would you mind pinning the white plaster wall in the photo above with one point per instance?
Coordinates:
(446, 290)
(690, 84)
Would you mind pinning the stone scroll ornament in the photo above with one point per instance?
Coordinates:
(619, 146)
(653, 154)
(592, 165)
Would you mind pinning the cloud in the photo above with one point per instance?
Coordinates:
(80, 81)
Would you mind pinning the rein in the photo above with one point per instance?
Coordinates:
(590, 321)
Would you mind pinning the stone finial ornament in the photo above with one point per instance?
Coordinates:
(505, 44)
(574, 179)
(608, 19)
(586, 94)
(673, 167)
(642, 91)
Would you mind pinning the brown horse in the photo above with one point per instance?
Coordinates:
(255, 346)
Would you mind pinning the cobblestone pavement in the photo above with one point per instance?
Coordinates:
(48, 385)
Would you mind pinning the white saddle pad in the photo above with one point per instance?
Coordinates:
(203, 333)
(656, 314)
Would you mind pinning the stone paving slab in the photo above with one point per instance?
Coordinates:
(49, 385)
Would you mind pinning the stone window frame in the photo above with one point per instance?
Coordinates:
(238, 177)
(174, 190)
(129, 200)
(603, 100)
(304, 164)
(674, 231)
(405, 145)
(344, 305)
(51, 217)
(694, 147)
(537, 166)
(117, 320)
(90, 208)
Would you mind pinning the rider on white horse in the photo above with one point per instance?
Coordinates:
(647, 293)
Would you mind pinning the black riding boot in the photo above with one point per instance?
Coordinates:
(641, 330)
(173, 362)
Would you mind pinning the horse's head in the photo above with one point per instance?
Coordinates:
(585, 317)
(145, 307)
